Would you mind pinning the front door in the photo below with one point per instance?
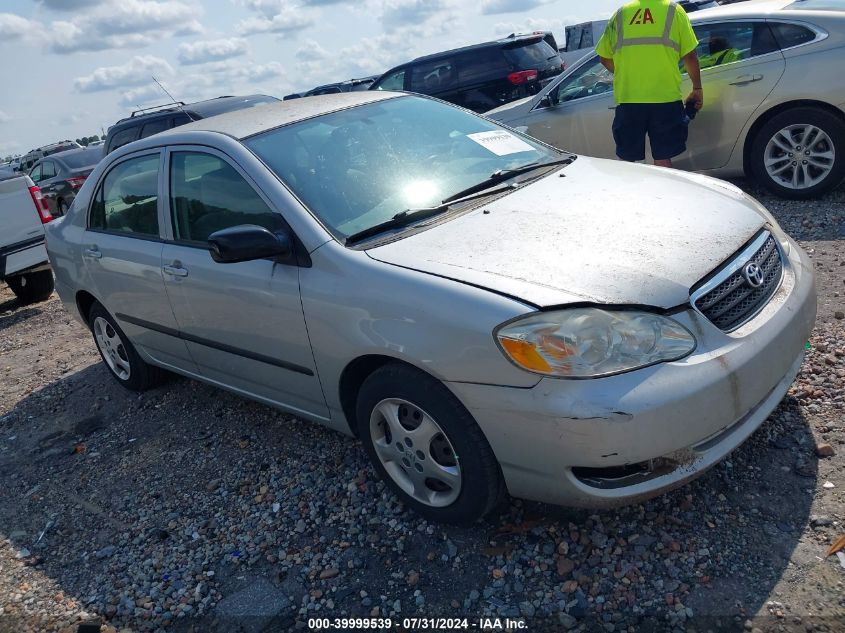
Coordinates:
(578, 116)
(122, 255)
(243, 323)
(740, 66)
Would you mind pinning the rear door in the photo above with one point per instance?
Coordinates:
(740, 66)
(122, 254)
(243, 322)
(579, 112)
(438, 78)
(49, 183)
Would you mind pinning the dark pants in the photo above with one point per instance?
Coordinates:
(665, 123)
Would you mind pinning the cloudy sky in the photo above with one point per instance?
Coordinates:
(71, 68)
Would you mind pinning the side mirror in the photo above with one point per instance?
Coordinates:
(549, 101)
(248, 242)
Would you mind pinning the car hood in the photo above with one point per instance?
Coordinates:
(598, 231)
(509, 110)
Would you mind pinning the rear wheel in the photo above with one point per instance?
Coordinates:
(426, 446)
(800, 153)
(32, 287)
(119, 355)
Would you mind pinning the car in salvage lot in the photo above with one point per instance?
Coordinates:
(60, 176)
(774, 98)
(485, 312)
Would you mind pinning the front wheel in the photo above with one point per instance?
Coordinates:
(118, 353)
(800, 153)
(33, 286)
(426, 446)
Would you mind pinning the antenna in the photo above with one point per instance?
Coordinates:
(178, 104)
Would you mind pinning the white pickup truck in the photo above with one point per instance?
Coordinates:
(23, 255)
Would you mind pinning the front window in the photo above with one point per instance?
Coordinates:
(590, 79)
(207, 195)
(396, 81)
(359, 167)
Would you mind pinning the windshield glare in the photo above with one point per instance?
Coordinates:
(359, 167)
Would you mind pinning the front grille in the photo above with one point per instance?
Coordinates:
(734, 301)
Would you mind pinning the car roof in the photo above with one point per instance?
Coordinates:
(248, 121)
(207, 108)
(747, 9)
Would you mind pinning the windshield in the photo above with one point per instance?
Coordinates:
(818, 5)
(360, 167)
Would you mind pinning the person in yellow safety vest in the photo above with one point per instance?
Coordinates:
(642, 46)
(720, 53)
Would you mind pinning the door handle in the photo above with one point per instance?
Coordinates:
(92, 252)
(175, 271)
(746, 79)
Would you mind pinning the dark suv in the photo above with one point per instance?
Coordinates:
(149, 121)
(479, 77)
(350, 85)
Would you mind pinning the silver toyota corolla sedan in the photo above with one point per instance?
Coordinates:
(486, 313)
(774, 94)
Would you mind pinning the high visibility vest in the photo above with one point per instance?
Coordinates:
(633, 22)
(646, 40)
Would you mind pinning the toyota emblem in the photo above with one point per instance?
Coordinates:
(754, 275)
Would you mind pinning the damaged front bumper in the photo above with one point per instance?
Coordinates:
(622, 439)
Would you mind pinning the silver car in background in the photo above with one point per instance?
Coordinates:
(486, 313)
(774, 94)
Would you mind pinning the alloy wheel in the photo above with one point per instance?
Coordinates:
(415, 452)
(111, 347)
(799, 156)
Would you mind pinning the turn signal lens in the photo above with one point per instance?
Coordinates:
(593, 342)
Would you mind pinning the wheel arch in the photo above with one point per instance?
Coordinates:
(84, 301)
(773, 112)
(354, 375)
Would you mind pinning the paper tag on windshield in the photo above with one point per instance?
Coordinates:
(501, 143)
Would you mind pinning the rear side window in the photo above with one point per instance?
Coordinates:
(207, 194)
(530, 56)
(434, 76)
(789, 35)
(127, 199)
(725, 43)
(481, 64)
(154, 127)
(123, 137)
(48, 169)
(35, 174)
(181, 119)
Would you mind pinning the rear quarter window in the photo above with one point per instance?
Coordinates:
(789, 35)
(485, 63)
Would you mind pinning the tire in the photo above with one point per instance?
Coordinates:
(825, 166)
(452, 475)
(32, 287)
(119, 355)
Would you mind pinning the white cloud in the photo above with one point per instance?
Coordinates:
(124, 24)
(402, 12)
(211, 50)
(312, 51)
(68, 5)
(4, 118)
(529, 25)
(137, 71)
(510, 6)
(15, 27)
(288, 21)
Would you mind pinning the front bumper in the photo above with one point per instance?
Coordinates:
(573, 442)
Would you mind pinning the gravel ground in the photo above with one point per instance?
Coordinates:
(190, 509)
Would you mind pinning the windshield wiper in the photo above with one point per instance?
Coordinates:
(409, 216)
(501, 175)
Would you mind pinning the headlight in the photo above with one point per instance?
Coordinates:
(591, 342)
